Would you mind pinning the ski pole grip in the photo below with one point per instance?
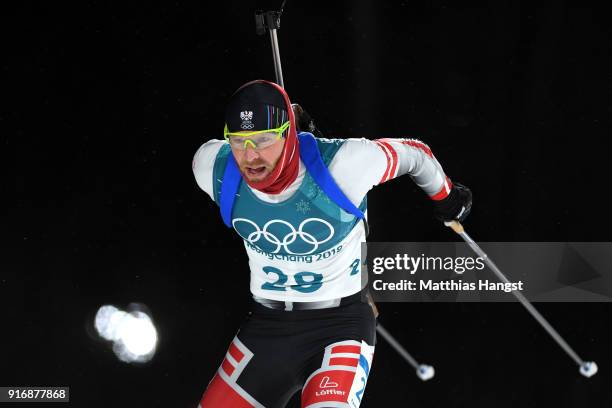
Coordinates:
(455, 225)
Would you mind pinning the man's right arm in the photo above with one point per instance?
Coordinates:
(203, 164)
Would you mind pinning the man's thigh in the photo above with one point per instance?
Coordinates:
(339, 379)
(252, 374)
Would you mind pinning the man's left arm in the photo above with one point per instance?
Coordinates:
(451, 200)
(361, 164)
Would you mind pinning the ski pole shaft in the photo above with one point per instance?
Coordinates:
(423, 371)
(458, 228)
(396, 346)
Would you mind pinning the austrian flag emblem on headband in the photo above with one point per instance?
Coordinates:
(246, 117)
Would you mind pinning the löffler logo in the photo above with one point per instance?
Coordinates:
(327, 387)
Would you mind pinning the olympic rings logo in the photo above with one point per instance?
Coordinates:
(289, 238)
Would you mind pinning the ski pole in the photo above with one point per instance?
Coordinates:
(423, 371)
(586, 368)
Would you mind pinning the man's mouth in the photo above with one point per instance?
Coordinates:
(255, 171)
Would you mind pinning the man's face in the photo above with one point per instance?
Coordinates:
(256, 165)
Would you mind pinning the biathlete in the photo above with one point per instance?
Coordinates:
(299, 202)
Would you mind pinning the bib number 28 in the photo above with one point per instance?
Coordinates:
(305, 282)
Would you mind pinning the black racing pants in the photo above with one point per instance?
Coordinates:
(325, 353)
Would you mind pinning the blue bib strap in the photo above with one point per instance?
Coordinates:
(229, 188)
(311, 157)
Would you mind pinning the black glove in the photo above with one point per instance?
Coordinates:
(305, 123)
(456, 206)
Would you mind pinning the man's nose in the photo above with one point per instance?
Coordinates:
(250, 153)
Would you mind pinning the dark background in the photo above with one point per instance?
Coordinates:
(105, 105)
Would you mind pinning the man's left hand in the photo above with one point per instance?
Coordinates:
(456, 206)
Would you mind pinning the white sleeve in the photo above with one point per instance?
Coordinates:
(361, 164)
(203, 164)
(415, 158)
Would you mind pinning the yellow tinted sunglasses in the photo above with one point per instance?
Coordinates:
(259, 139)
